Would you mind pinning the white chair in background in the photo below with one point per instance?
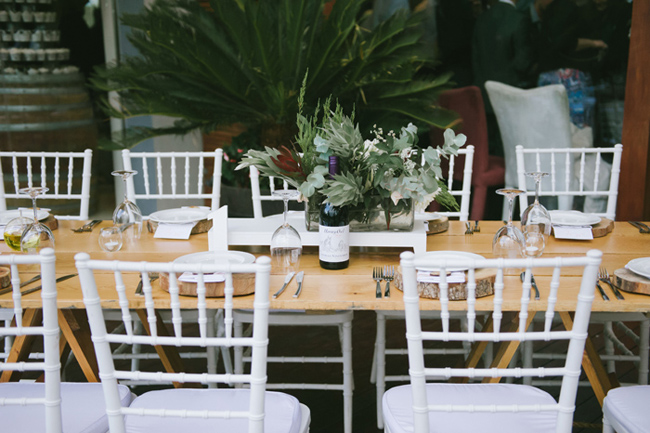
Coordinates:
(495, 407)
(57, 171)
(625, 410)
(378, 374)
(209, 410)
(534, 118)
(51, 406)
(341, 320)
(585, 174)
(173, 175)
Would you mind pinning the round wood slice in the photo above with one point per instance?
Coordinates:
(5, 277)
(628, 281)
(438, 225)
(201, 227)
(243, 284)
(457, 291)
(51, 222)
(604, 227)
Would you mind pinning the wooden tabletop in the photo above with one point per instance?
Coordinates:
(351, 288)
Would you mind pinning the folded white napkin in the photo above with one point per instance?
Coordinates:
(174, 231)
(452, 278)
(189, 277)
(573, 232)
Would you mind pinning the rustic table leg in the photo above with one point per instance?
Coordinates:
(169, 356)
(75, 329)
(22, 346)
(591, 363)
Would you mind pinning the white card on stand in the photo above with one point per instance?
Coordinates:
(174, 231)
(580, 233)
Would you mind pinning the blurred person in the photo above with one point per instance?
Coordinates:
(455, 21)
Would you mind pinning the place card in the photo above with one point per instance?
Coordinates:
(174, 231)
(189, 277)
(580, 233)
(429, 277)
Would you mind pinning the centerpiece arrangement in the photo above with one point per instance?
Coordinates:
(383, 178)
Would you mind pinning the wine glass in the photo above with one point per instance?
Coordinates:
(509, 241)
(37, 235)
(536, 221)
(286, 245)
(127, 213)
(14, 230)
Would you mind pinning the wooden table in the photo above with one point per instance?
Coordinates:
(351, 288)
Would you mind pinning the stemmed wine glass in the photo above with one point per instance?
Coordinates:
(286, 245)
(536, 221)
(37, 235)
(509, 241)
(127, 215)
(14, 230)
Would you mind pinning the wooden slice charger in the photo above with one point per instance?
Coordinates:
(457, 291)
(202, 226)
(438, 225)
(5, 277)
(628, 281)
(51, 222)
(604, 227)
(243, 284)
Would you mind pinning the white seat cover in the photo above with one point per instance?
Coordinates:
(629, 407)
(282, 411)
(82, 407)
(398, 409)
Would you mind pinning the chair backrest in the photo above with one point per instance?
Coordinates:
(451, 170)
(468, 103)
(125, 272)
(49, 331)
(60, 172)
(174, 175)
(585, 174)
(535, 118)
(256, 190)
(502, 330)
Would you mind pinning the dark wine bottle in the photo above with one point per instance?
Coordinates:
(334, 231)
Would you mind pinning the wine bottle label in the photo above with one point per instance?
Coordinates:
(334, 243)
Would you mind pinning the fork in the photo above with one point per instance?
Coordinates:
(477, 229)
(603, 276)
(88, 227)
(469, 230)
(377, 276)
(389, 275)
(642, 227)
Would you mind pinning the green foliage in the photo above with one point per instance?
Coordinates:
(244, 61)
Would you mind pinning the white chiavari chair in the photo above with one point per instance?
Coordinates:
(625, 410)
(341, 320)
(57, 171)
(496, 407)
(218, 409)
(466, 157)
(51, 406)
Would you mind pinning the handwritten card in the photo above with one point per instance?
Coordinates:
(174, 231)
(189, 277)
(428, 277)
(580, 233)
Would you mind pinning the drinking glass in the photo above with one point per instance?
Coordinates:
(37, 235)
(509, 241)
(536, 221)
(14, 231)
(127, 213)
(286, 245)
(110, 239)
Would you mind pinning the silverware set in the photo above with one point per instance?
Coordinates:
(642, 227)
(88, 227)
(287, 280)
(469, 230)
(379, 274)
(37, 288)
(603, 276)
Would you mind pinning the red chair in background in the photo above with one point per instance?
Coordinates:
(488, 170)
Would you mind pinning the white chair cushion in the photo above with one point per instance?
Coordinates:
(82, 407)
(398, 410)
(628, 406)
(282, 411)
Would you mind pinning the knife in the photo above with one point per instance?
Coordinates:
(299, 280)
(287, 280)
(23, 284)
(58, 280)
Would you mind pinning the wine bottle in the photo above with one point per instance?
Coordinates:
(334, 230)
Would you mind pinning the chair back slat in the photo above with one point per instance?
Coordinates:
(172, 175)
(34, 169)
(502, 331)
(102, 339)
